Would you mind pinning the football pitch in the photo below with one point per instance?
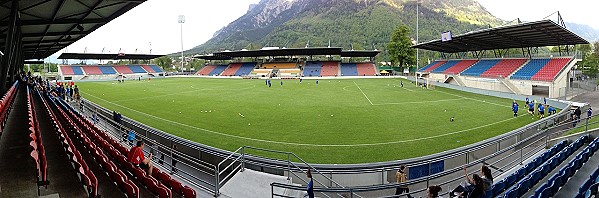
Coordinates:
(333, 122)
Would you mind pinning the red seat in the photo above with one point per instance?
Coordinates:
(131, 189)
(165, 179)
(163, 192)
(156, 172)
(139, 173)
(189, 192)
(176, 186)
(150, 183)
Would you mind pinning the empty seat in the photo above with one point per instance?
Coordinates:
(349, 69)
(189, 192)
(231, 69)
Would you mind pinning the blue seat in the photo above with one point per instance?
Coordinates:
(511, 179)
(536, 176)
(592, 190)
(540, 190)
(498, 187)
(595, 174)
(511, 193)
(524, 185)
(585, 186)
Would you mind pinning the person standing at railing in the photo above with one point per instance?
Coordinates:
(578, 112)
(589, 113)
(401, 178)
(174, 158)
(310, 188)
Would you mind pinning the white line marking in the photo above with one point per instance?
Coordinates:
(407, 89)
(303, 144)
(363, 93)
(473, 99)
(419, 102)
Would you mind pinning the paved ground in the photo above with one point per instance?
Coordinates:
(591, 97)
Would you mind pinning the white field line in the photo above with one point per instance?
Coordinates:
(177, 93)
(303, 144)
(474, 99)
(408, 89)
(363, 93)
(420, 102)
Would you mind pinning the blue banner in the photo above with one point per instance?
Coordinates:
(423, 170)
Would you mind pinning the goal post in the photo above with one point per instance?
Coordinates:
(430, 83)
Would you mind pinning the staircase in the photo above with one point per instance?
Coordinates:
(510, 85)
(456, 79)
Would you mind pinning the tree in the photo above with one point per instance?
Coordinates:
(399, 47)
(165, 62)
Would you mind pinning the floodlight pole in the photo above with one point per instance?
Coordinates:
(181, 21)
(417, 51)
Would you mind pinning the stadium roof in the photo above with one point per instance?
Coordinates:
(532, 34)
(83, 56)
(226, 55)
(50, 25)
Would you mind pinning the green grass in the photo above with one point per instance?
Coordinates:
(580, 127)
(333, 122)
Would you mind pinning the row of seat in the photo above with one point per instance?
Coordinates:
(590, 186)
(118, 176)
(310, 69)
(86, 176)
(161, 184)
(431, 66)
(536, 174)
(38, 152)
(499, 187)
(108, 70)
(558, 179)
(113, 158)
(6, 104)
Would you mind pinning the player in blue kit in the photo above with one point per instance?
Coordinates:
(515, 108)
(541, 111)
(531, 108)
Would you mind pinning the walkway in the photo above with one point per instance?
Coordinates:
(17, 168)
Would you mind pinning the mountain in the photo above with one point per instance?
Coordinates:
(363, 24)
(587, 32)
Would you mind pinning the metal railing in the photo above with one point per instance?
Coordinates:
(525, 149)
(182, 158)
(241, 154)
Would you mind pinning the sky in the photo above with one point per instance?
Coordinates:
(155, 22)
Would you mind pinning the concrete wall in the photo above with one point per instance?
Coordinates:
(484, 83)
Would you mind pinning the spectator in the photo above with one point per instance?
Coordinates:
(310, 188)
(77, 95)
(487, 177)
(401, 177)
(136, 156)
(578, 112)
(174, 158)
(433, 192)
(589, 112)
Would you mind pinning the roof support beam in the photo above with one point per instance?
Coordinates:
(56, 22)
(25, 35)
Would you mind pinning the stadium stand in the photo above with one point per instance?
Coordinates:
(67, 70)
(330, 69)
(366, 69)
(530, 69)
(550, 71)
(460, 67)
(349, 69)
(157, 183)
(260, 72)
(5, 104)
(156, 68)
(87, 177)
(206, 70)
(149, 68)
(107, 69)
(480, 67)
(245, 69)
(445, 66)
(218, 70)
(122, 69)
(279, 65)
(289, 73)
(38, 152)
(137, 69)
(312, 69)
(432, 66)
(92, 70)
(77, 70)
(519, 182)
(504, 68)
(557, 180)
(231, 69)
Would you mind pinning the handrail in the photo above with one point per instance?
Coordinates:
(541, 135)
(241, 154)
